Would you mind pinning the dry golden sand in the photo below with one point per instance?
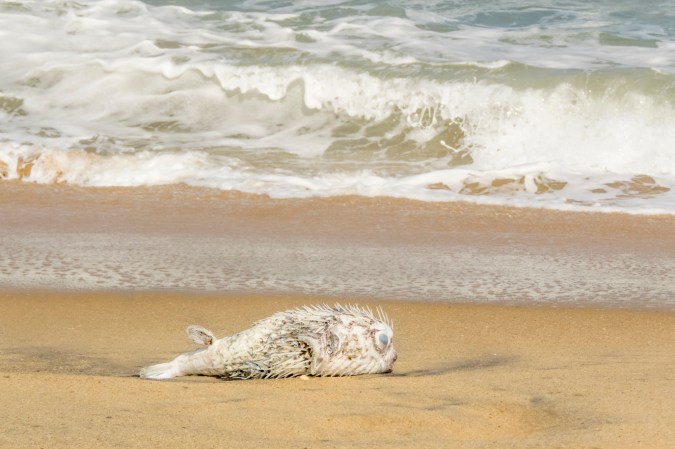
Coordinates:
(468, 376)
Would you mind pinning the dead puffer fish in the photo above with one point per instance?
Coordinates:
(312, 340)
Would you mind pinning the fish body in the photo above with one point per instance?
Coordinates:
(312, 340)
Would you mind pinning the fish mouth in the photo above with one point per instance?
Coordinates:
(394, 358)
(390, 366)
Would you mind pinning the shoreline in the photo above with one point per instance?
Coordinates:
(191, 239)
(468, 376)
(62, 202)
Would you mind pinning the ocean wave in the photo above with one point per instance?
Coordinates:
(560, 108)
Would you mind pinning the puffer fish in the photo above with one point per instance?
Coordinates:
(311, 340)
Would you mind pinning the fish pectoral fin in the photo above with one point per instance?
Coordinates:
(315, 350)
(200, 335)
(311, 342)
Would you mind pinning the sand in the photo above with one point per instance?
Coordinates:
(469, 375)
(179, 238)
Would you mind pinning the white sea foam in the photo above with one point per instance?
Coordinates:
(540, 106)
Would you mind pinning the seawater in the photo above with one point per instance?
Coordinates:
(567, 105)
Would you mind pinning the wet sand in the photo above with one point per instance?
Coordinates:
(468, 376)
(183, 238)
(590, 367)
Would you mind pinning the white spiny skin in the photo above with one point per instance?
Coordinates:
(317, 341)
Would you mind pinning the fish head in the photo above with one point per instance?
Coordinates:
(354, 345)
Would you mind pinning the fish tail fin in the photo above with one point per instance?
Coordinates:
(160, 371)
(196, 362)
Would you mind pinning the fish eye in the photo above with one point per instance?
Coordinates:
(384, 339)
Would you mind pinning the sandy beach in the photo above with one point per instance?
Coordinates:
(477, 372)
(468, 376)
(498, 177)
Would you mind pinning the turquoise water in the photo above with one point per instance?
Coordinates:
(565, 105)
